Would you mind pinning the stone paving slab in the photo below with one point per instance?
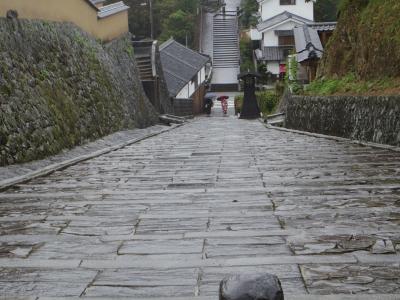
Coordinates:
(288, 296)
(169, 217)
(14, 174)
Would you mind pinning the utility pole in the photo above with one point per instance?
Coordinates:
(151, 19)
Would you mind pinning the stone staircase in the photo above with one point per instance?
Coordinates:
(145, 67)
(226, 52)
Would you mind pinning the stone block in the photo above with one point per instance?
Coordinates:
(251, 287)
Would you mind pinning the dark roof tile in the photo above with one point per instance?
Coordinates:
(180, 65)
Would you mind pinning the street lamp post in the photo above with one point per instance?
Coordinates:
(151, 19)
(149, 3)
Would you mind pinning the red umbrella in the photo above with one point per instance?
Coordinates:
(220, 98)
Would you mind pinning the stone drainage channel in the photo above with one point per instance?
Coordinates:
(170, 216)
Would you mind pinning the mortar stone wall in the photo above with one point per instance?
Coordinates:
(59, 88)
(372, 119)
(183, 107)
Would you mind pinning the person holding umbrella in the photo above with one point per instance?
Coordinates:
(224, 103)
(208, 102)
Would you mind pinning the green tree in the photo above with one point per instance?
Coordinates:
(326, 10)
(249, 7)
(179, 26)
(246, 54)
(171, 18)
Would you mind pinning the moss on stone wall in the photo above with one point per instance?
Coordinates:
(366, 41)
(60, 88)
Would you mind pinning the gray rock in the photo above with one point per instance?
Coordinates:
(251, 287)
(12, 14)
(383, 247)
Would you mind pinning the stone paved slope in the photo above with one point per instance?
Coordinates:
(172, 215)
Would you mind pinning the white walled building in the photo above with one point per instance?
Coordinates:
(270, 8)
(275, 30)
(186, 72)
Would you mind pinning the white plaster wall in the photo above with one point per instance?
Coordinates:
(255, 35)
(192, 88)
(184, 93)
(271, 8)
(271, 39)
(202, 76)
(273, 67)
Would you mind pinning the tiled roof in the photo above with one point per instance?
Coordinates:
(180, 65)
(323, 26)
(111, 9)
(107, 10)
(308, 43)
(281, 18)
(95, 2)
(278, 53)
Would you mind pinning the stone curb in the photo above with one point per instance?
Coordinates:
(335, 138)
(288, 297)
(6, 184)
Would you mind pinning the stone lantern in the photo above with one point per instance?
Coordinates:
(250, 108)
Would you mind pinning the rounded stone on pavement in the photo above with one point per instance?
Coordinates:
(251, 287)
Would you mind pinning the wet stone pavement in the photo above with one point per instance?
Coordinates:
(172, 215)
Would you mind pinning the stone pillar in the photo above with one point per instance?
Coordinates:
(250, 108)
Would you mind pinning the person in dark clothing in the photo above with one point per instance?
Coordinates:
(208, 104)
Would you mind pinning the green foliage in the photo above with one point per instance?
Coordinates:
(249, 7)
(366, 41)
(129, 49)
(171, 18)
(267, 102)
(43, 74)
(279, 88)
(179, 26)
(349, 84)
(6, 90)
(238, 103)
(246, 54)
(326, 10)
(263, 70)
(291, 76)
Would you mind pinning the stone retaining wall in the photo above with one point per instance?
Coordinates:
(371, 119)
(60, 88)
(183, 107)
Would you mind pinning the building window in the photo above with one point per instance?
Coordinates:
(286, 40)
(288, 2)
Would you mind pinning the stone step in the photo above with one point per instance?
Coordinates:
(229, 58)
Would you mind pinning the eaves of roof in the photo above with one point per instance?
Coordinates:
(280, 19)
(111, 9)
